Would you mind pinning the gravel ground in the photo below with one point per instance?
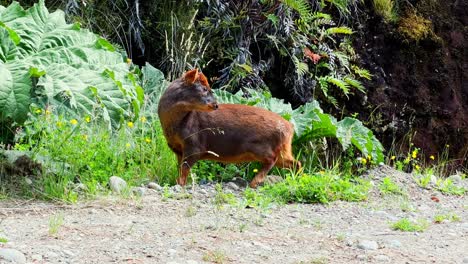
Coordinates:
(157, 229)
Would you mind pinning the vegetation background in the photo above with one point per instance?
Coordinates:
(397, 66)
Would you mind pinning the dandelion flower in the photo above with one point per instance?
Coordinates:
(364, 161)
(129, 60)
(127, 145)
(47, 112)
(417, 167)
(414, 154)
(255, 170)
(393, 158)
(148, 140)
(59, 124)
(130, 124)
(432, 157)
(88, 119)
(448, 146)
(74, 121)
(143, 119)
(38, 111)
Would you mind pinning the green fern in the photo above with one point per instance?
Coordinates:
(363, 73)
(355, 83)
(301, 6)
(339, 30)
(344, 86)
(301, 67)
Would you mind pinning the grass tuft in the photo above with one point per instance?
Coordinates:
(409, 226)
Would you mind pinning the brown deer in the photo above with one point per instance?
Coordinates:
(197, 128)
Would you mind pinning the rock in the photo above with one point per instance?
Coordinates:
(382, 258)
(139, 191)
(362, 257)
(240, 182)
(433, 179)
(368, 245)
(456, 179)
(154, 186)
(394, 243)
(272, 179)
(12, 255)
(36, 258)
(176, 188)
(232, 185)
(117, 184)
(349, 242)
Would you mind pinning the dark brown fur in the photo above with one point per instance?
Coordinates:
(197, 128)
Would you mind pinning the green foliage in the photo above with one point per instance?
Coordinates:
(409, 226)
(414, 27)
(311, 123)
(451, 217)
(318, 188)
(47, 62)
(387, 186)
(448, 187)
(386, 9)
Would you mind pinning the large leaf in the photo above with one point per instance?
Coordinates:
(75, 70)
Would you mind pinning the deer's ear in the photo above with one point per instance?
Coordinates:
(191, 76)
(203, 80)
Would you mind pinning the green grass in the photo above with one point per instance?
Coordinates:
(387, 186)
(409, 226)
(317, 188)
(448, 187)
(386, 9)
(55, 222)
(451, 217)
(3, 240)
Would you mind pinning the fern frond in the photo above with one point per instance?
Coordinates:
(355, 83)
(301, 6)
(339, 30)
(301, 67)
(363, 73)
(340, 84)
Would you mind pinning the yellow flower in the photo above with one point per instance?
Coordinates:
(128, 145)
(88, 119)
(148, 140)
(38, 111)
(130, 124)
(414, 154)
(59, 124)
(364, 161)
(369, 157)
(432, 157)
(255, 170)
(417, 167)
(47, 112)
(143, 119)
(129, 60)
(74, 121)
(448, 146)
(85, 137)
(322, 172)
(393, 157)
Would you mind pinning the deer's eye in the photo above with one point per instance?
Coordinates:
(205, 89)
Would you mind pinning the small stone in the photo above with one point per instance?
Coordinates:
(139, 191)
(272, 179)
(349, 242)
(52, 255)
(368, 245)
(36, 257)
(176, 188)
(233, 186)
(457, 179)
(433, 179)
(171, 251)
(154, 186)
(68, 252)
(382, 258)
(394, 243)
(117, 184)
(28, 181)
(361, 257)
(12, 255)
(465, 260)
(240, 182)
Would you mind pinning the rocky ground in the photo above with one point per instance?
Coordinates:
(159, 225)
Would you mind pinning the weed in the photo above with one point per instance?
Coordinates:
(191, 211)
(55, 222)
(216, 256)
(423, 180)
(389, 187)
(3, 240)
(448, 187)
(451, 217)
(221, 198)
(322, 188)
(408, 226)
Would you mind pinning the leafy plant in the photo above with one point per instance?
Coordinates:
(389, 187)
(448, 187)
(451, 217)
(409, 226)
(318, 188)
(46, 62)
(386, 9)
(55, 222)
